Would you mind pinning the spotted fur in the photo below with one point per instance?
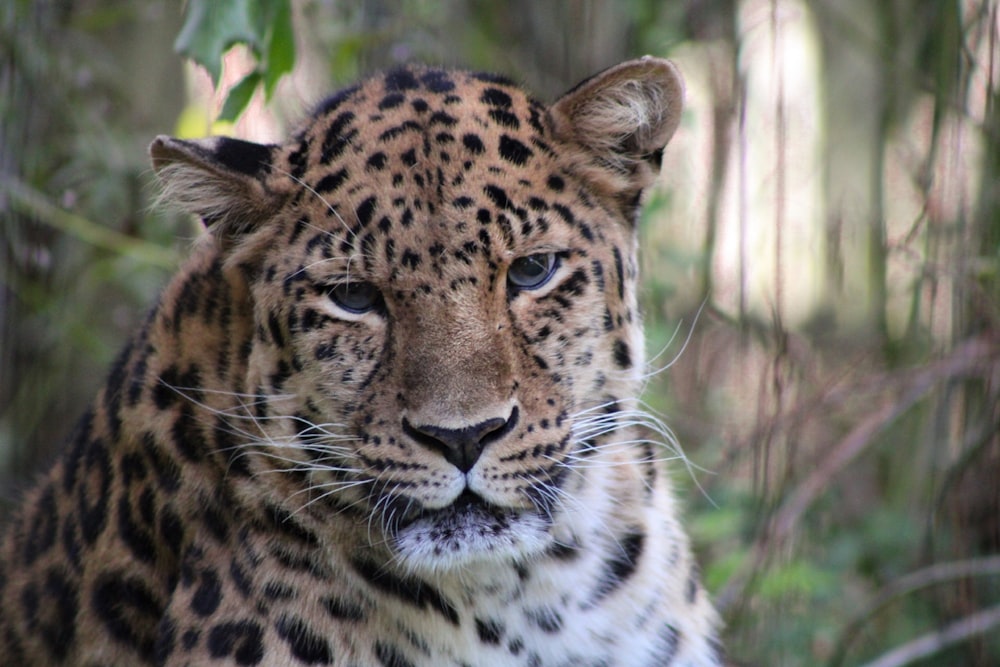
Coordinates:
(386, 414)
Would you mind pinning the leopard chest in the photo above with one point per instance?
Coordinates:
(564, 609)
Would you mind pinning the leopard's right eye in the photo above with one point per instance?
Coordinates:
(355, 296)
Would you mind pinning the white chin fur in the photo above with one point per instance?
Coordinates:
(447, 541)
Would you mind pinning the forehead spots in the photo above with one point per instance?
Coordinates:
(405, 126)
(484, 239)
(321, 241)
(391, 101)
(411, 259)
(331, 182)
(338, 136)
(474, 144)
(401, 79)
(489, 77)
(514, 151)
(376, 162)
(498, 196)
(506, 230)
(438, 81)
(571, 220)
(496, 97)
(365, 210)
(430, 156)
(442, 118)
(500, 107)
(537, 204)
(505, 118)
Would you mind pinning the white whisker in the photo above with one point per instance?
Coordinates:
(313, 192)
(645, 377)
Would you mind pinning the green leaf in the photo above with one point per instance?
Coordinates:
(239, 96)
(211, 28)
(265, 26)
(280, 47)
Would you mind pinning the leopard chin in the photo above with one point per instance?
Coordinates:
(470, 531)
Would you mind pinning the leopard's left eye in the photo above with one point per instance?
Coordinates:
(533, 271)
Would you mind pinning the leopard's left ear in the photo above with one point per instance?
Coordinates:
(220, 179)
(622, 118)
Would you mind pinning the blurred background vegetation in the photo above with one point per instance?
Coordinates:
(822, 264)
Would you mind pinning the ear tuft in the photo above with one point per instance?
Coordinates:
(623, 117)
(218, 179)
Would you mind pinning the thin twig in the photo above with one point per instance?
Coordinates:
(36, 204)
(908, 583)
(934, 642)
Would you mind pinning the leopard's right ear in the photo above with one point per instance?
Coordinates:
(219, 179)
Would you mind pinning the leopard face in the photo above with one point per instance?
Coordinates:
(442, 273)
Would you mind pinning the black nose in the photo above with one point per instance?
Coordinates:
(461, 447)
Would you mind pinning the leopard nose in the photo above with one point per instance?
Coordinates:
(461, 447)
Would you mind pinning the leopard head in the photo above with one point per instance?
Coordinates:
(441, 270)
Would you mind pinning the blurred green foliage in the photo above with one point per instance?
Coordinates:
(265, 26)
(844, 481)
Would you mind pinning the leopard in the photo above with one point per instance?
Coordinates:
(388, 411)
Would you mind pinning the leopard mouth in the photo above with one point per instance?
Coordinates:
(466, 510)
(470, 529)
